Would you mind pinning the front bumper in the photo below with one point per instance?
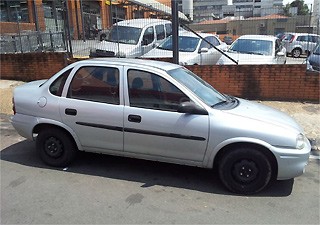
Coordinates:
(291, 162)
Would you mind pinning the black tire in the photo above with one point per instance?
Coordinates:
(245, 170)
(296, 53)
(56, 147)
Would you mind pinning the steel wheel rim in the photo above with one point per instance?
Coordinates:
(245, 171)
(296, 53)
(53, 147)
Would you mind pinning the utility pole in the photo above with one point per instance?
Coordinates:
(175, 26)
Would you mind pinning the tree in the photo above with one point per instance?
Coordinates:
(302, 7)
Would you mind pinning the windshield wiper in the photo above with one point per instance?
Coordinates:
(220, 103)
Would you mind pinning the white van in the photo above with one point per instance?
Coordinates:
(133, 38)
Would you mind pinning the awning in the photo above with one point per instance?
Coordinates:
(157, 6)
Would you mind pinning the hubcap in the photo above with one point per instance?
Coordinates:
(296, 53)
(245, 171)
(53, 147)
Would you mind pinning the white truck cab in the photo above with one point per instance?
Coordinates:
(133, 38)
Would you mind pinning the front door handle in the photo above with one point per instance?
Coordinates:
(134, 118)
(71, 112)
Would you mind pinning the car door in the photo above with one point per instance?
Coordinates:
(92, 107)
(148, 40)
(152, 125)
(212, 56)
(279, 58)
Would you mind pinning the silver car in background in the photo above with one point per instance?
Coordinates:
(298, 44)
(255, 49)
(158, 111)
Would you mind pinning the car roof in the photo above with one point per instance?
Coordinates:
(140, 23)
(190, 34)
(259, 37)
(131, 62)
(297, 34)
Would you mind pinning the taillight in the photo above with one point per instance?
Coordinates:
(13, 106)
(291, 40)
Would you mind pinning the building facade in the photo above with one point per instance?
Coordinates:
(82, 17)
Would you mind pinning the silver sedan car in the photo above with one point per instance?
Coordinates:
(158, 111)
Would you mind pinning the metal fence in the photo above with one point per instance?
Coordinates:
(81, 27)
(32, 41)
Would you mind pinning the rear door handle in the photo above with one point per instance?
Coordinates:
(71, 112)
(134, 118)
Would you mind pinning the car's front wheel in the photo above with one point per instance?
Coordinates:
(56, 147)
(245, 170)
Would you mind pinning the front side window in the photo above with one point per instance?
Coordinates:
(148, 90)
(94, 83)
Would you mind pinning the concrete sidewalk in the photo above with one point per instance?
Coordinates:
(306, 114)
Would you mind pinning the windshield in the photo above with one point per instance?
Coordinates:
(198, 86)
(186, 44)
(124, 34)
(255, 47)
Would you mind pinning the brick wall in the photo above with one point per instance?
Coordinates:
(12, 27)
(263, 82)
(31, 66)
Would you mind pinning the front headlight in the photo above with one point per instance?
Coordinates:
(300, 141)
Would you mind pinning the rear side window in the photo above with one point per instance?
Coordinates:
(168, 29)
(97, 84)
(160, 32)
(57, 86)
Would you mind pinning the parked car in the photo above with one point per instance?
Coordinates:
(298, 44)
(313, 61)
(192, 49)
(158, 111)
(255, 49)
(132, 38)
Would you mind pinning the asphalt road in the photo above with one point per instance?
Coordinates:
(105, 189)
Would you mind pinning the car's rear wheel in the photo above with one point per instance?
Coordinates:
(296, 52)
(56, 147)
(245, 170)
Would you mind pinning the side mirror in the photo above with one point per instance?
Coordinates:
(203, 50)
(191, 108)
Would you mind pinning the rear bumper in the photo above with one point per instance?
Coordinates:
(24, 124)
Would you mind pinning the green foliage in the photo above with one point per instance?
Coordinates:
(302, 7)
